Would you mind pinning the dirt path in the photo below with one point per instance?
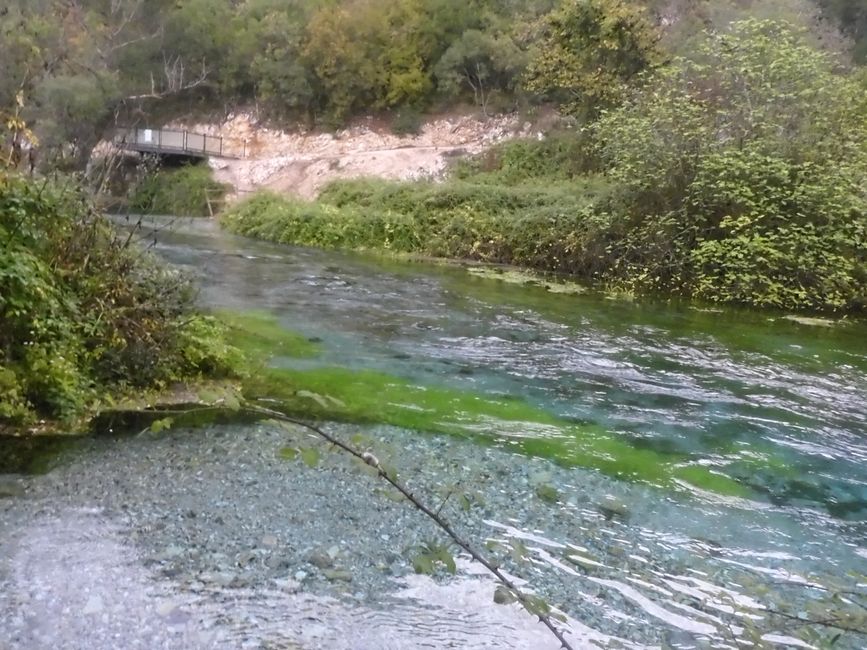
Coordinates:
(303, 163)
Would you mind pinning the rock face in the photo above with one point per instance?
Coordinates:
(301, 163)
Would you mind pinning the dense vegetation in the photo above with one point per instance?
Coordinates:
(186, 191)
(735, 175)
(82, 65)
(84, 314)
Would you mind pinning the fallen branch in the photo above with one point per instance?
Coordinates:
(528, 603)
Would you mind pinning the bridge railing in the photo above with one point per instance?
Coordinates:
(169, 141)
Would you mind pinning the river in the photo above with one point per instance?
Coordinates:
(208, 539)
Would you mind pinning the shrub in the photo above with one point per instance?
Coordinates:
(183, 191)
(737, 177)
(740, 176)
(82, 313)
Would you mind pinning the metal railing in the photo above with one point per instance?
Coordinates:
(169, 141)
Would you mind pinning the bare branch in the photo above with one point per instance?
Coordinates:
(526, 601)
(174, 81)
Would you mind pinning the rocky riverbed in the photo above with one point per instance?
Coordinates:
(212, 538)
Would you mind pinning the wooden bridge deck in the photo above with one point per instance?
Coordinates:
(169, 142)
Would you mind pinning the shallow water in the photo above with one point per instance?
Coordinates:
(777, 405)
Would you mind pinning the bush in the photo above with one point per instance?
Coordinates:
(183, 191)
(546, 228)
(741, 176)
(408, 121)
(83, 314)
(735, 177)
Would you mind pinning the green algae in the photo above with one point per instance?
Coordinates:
(527, 278)
(373, 397)
(260, 335)
(366, 396)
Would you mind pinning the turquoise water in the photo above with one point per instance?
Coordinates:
(779, 405)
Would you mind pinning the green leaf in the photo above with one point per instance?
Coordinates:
(537, 606)
(547, 493)
(504, 596)
(161, 425)
(444, 556)
(232, 402)
(310, 456)
(390, 470)
(423, 564)
(208, 396)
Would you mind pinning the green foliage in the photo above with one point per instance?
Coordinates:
(588, 51)
(740, 176)
(852, 18)
(408, 121)
(431, 556)
(531, 225)
(735, 176)
(85, 64)
(83, 314)
(183, 191)
(484, 62)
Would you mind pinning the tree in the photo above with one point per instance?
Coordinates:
(588, 50)
(268, 45)
(485, 62)
(741, 174)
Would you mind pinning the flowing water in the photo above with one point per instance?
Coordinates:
(776, 406)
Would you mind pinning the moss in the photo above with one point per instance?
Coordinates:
(373, 397)
(34, 454)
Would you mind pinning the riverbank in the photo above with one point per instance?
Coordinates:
(300, 163)
(247, 543)
(672, 192)
(89, 319)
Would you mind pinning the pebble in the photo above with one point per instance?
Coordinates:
(10, 488)
(321, 559)
(94, 605)
(337, 574)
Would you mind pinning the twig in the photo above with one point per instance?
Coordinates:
(371, 460)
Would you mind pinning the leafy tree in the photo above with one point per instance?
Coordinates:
(268, 44)
(852, 18)
(484, 62)
(337, 47)
(741, 175)
(588, 50)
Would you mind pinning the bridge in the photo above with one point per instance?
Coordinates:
(169, 142)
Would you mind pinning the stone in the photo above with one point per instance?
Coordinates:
(165, 608)
(94, 605)
(275, 562)
(320, 559)
(269, 540)
(221, 579)
(10, 489)
(341, 575)
(612, 507)
(245, 557)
